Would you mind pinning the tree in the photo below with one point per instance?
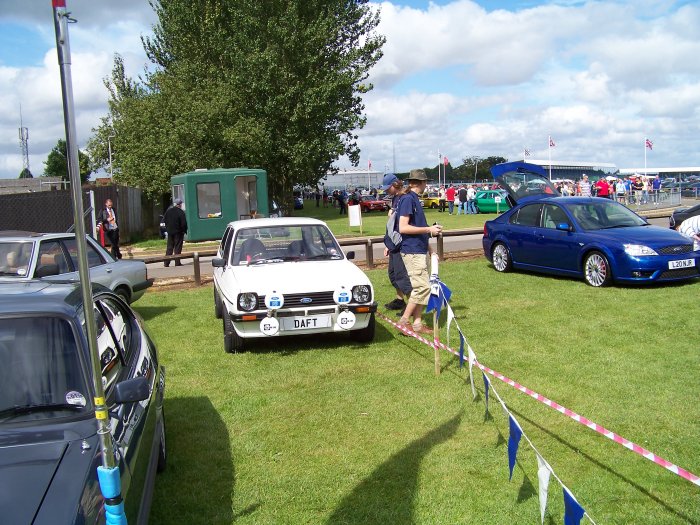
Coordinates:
(26, 174)
(273, 84)
(56, 164)
(478, 169)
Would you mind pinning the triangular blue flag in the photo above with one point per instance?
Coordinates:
(573, 512)
(513, 442)
(461, 349)
(486, 390)
(446, 292)
(437, 300)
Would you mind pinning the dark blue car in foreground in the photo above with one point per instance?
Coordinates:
(594, 238)
(49, 448)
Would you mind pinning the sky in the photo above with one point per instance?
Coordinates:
(462, 78)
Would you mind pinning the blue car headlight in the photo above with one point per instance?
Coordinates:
(638, 250)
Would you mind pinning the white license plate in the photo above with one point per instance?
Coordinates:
(306, 323)
(685, 263)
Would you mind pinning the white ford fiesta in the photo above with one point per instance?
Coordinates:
(288, 276)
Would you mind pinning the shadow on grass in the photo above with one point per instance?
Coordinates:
(197, 485)
(151, 312)
(636, 486)
(386, 496)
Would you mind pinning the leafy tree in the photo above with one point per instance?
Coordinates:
(478, 169)
(275, 84)
(56, 164)
(26, 174)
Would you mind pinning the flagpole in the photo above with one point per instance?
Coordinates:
(549, 150)
(645, 155)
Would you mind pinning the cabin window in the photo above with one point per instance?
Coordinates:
(209, 200)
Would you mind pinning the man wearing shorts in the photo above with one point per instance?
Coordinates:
(415, 249)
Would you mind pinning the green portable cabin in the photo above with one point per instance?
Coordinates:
(213, 198)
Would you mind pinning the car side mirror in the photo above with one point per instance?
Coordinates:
(132, 390)
(564, 226)
(45, 270)
(218, 262)
(350, 255)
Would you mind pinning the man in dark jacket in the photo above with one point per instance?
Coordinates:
(176, 226)
(108, 218)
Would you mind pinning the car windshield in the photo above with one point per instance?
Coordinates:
(602, 215)
(15, 257)
(273, 244)
(40, 373)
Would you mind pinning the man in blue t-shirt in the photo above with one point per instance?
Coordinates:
(415, 249)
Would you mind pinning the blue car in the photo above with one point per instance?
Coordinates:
(49, 447)
(597, 239)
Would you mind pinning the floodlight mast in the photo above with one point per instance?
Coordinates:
(61, 18)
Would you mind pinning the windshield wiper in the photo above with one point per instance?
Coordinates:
(43, 407)
(323, 256)
(617, 226)
(271, 260)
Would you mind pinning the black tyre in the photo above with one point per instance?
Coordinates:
(433, 206)
(218, 305)
(162, 449)
(500, 255)
(233, 343)
(124, 294)
(365, 335)
(596, 270)
(477, 209)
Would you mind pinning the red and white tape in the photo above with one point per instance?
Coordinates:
(559, 408)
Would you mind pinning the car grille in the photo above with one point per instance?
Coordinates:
(293, 300)
(679, 274)
(676, 249)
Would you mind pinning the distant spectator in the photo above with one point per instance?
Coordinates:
(108, 218)
(584, 186)
(176, 226)
(450, 196)
(656, 188)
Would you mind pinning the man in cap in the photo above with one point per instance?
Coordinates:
(415, 249)
(398, 277)
(176, 226)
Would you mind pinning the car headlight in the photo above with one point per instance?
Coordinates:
(361, 293)
(637, 250)
(247, 301)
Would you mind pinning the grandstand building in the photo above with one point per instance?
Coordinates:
(573, 170)
(353, 178)
(679, 173)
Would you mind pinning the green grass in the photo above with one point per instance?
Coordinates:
(323, 430)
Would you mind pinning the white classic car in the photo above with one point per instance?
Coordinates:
(288, 276)
(54, 257)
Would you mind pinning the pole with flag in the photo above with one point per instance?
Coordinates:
(526, 153)
(369, 168)
(107, 473)
(647, 144)
(444, 170)
(549, 149)
(439, 163)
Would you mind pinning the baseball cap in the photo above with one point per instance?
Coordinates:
(388, 180)
(417, 175)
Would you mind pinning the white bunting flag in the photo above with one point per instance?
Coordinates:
(472, 360)
(543, 473)
(450, 317)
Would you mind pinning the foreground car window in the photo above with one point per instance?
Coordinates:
(605, 215)
(40, 373)
(284, 243)
(15, 258)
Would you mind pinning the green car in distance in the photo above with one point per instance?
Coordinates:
(486, 201)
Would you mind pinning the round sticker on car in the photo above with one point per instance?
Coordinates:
(345, 320)
(269, 326)
(342, 296)
(75, 398)
(274, 300)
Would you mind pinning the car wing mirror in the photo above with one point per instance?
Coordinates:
(45, 270)
(218, 262)
(132, 390)
(564, 226)
(350, 255)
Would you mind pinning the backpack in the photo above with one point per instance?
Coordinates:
(392, 237)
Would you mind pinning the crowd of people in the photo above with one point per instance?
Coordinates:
(627, 190)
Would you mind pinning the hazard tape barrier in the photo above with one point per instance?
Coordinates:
(685, 474)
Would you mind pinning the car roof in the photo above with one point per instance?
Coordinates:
(17, 235)
(279, 221)
(61, 297)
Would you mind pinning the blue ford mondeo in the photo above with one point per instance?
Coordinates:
(594, 238)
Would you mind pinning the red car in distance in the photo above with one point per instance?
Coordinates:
(369, 203)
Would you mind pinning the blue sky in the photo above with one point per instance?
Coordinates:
(462, 77)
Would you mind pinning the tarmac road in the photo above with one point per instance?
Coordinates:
(451, 244)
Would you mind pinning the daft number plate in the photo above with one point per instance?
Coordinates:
(307, 322)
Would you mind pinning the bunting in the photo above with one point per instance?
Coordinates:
(461, 349)
(450, 318)
(513, 441)
(573, 512)
(543, 472)
(472, 359)
(486, 390)
(439, 295)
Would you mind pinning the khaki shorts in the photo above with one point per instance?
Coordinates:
(417, 269)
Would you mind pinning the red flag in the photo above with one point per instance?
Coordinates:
(649, 144)
(369, 164)
(551, 142)
(445, 161)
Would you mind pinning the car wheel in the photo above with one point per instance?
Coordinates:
(596, 270)
(477, 209)
(218, 305)
(162, 450)
(366, 334)
(123, 294)
(433, 206)
(233, 343)
(501, 258)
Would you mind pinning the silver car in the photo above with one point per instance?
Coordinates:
(54, 256)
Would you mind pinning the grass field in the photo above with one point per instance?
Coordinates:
(321, 430)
